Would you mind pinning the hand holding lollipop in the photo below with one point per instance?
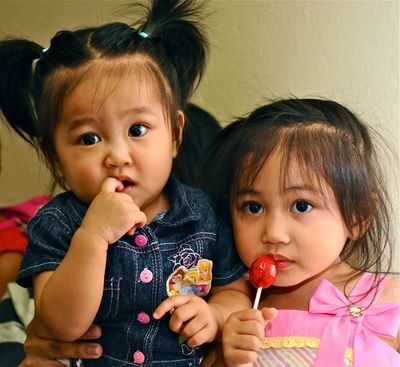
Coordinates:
(262, 275)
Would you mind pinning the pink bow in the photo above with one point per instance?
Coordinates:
(374, 321)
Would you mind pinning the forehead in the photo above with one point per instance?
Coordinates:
(284, 168)
(93, 92)
(100, 77)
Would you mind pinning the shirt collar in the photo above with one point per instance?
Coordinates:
(184, 201)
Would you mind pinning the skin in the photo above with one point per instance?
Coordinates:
(115, 150)
(127, 138)
(291, 224)
(9, 266)
(10, 262)
(279, 221)
(43, 351)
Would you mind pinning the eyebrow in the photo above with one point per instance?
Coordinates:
(140, 109)
(81, 121)
(85, 120)
(244, 192)
(250, 191)
(301, 188)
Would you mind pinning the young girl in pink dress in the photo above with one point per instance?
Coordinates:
(300, 181)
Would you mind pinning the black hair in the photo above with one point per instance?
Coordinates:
(331, 145)
(169, 45)
(201, 127)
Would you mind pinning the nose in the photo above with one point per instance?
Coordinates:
(275, 229)
(118, 155)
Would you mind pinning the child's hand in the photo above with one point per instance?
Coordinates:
(191, 317)
(112, 214)
(242, 335)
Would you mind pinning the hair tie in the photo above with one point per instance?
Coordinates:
(43, 53)
(143, 34)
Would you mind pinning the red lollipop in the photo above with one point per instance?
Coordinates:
(262, 274)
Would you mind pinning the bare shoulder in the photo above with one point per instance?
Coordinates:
(391, 294)
(391, 291)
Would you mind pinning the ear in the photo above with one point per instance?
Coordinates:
(357, 231)
(178, 136)
(359, 228)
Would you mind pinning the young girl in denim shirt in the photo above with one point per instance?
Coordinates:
(128, 247)
(300, 181)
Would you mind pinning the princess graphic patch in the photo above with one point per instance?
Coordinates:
(194, 280)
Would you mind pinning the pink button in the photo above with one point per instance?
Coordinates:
(138, 357)
(143, 318)
(146, 276)
(140, 240)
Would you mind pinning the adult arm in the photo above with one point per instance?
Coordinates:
(41, 351)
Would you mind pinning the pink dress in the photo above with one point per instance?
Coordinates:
(335, 331)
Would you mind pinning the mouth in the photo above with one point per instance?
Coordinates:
(281, 262)
(126, 182)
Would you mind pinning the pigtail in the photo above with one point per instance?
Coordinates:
(172, 30)
(16, 86)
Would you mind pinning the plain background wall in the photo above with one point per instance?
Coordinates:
(345, 50)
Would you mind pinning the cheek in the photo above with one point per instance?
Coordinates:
(82, 174)
(317, 257)
(65, 164)
(161, 150)
(247, 256)
(245, 245)
(246, 238)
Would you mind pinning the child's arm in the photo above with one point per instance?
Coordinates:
(200, 322)
(68, 298)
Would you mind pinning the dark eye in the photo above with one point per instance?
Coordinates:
(253, 207)
(301, 207)
(90, 139)
(137, 130)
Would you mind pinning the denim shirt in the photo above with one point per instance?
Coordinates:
(137, 272)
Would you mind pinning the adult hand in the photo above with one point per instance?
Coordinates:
(42, 352)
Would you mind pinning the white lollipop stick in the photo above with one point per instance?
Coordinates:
(257, 299)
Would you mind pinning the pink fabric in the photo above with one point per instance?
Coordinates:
(329, 319)
(13, 220)
(12, 215)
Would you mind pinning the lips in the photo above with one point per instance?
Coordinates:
(281, 262)
(126, 182)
